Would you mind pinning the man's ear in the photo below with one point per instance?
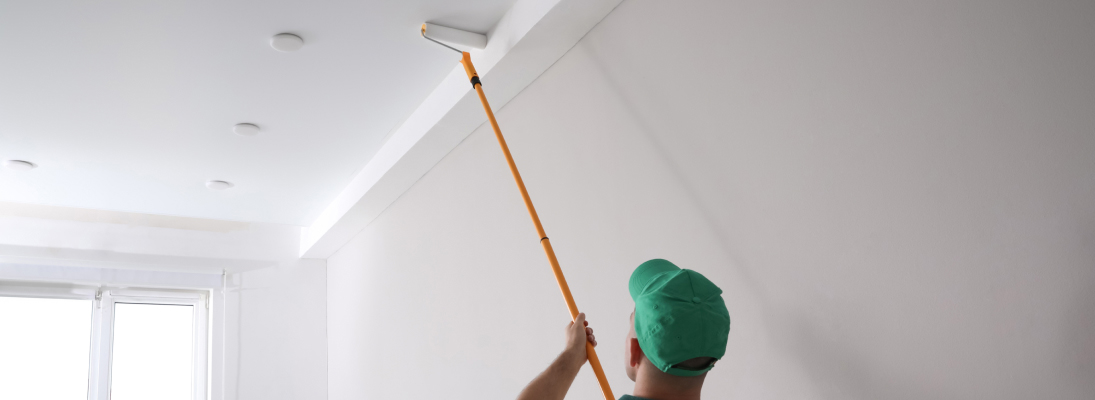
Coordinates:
(636, 353)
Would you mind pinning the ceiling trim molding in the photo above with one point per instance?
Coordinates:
(108, 276)
(42, 211)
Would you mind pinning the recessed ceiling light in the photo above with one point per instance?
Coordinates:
(20, 165)
(219, 185)
(246, 129)
(286, 42)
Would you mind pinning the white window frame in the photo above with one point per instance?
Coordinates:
(103, 299)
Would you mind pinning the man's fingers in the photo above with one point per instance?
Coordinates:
(577, 322)
(581, 318)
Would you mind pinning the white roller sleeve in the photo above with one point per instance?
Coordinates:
(456, 37)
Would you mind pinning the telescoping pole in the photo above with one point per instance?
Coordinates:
(544, 241)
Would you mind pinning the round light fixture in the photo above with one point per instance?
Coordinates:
(219, 185)
(20, 165)
(246, 129)
(286, 42)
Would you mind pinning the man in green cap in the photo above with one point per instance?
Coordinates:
(678, 331)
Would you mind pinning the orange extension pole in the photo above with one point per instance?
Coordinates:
(544, 241)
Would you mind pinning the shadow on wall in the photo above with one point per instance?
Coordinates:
(835, 370)
(834, 364)
(658, 147)
(1077, 341)
(1002, 306)
(840, 367)
(838, 372)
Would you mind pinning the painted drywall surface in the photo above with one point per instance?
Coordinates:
(897, 200)
(275, 336)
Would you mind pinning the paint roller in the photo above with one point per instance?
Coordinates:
(450, 37)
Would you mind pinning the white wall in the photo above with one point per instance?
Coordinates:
(276, 333)
(897, 199)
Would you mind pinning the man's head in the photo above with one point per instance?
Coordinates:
(680, 324)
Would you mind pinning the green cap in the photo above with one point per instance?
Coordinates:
(679, 315)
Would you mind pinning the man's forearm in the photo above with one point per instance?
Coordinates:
(553, 383)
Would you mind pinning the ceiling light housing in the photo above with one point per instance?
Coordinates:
(20, 165)
(246, 129)
(219, 185)
(286, 42)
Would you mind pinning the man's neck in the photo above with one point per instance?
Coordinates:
(660, 388)
(656, 394)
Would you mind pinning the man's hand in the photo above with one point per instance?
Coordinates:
(553, 383)
(578, 333)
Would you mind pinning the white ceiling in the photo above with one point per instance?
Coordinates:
(129, 106)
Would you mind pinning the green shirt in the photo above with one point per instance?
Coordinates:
(630, 397)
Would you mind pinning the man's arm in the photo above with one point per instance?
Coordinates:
(553, 383)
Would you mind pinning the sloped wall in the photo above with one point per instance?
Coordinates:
(897, 198)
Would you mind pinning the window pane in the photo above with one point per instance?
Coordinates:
(153, 352)
(44, 348)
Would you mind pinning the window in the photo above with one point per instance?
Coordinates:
(152, 352)
(84, 342)
(44, 348)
